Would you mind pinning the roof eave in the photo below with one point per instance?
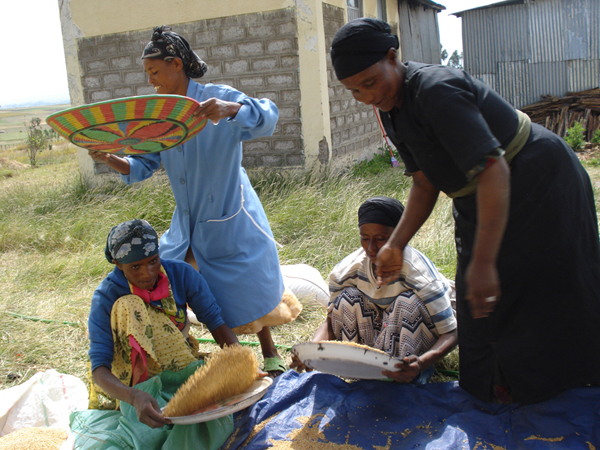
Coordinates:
(493, 5)
(428, 4)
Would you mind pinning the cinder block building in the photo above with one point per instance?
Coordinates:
(277, 49)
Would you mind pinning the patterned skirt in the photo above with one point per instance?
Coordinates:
(401, 329)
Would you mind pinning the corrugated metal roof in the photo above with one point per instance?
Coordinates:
(426, 3)
(493, 5)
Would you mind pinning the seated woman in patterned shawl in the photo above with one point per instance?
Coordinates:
(138, 325)
(410, 318)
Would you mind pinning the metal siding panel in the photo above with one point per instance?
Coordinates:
(546, 78)
(511, 33)
(431, 45)
(477, 50)
(575, 14)
(424, 31)
(489, 79)
(594, 29)
(419, 35)
(582, 75)
(545, 26)
(471, 56)
(521, 50)
(409, 49)
(492, 35)
(512, 82)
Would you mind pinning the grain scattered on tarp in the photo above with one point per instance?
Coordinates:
(540, 438)
(310, 437)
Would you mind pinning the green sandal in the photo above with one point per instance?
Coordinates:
(274, 364)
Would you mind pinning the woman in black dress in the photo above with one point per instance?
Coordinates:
(528, 269)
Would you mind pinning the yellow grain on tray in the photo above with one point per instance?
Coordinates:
(227, 372)
(354, 344)
(34, 438)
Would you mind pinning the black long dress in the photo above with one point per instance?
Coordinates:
(543, 334)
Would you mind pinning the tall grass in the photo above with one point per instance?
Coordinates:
(53, 230)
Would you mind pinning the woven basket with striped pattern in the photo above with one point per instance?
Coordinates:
(131, 125)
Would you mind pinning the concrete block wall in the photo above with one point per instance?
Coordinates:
(254, 53)
(355, 133)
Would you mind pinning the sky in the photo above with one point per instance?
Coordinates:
(450, 26)
(33, 67)
(34, 70)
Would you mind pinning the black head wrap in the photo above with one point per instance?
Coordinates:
(381, 210)
(359, 44)
(131, 241)
(165, 44)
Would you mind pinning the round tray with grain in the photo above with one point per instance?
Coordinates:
(345, 359)
(228, 405)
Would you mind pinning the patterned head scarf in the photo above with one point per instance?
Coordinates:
(381, 210)
(359, 44)
(131, 241)
(165, 44)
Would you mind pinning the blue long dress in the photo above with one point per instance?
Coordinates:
(238, 261)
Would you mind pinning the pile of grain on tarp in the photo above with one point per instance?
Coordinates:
(558, 114)
(34, 438)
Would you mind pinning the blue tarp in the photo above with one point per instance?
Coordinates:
(373, 414)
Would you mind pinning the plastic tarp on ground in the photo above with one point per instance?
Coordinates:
(319, 411)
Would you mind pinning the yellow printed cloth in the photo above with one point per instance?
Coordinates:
(165, 345)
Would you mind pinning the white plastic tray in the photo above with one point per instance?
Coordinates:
(346, 361)
(227, 406)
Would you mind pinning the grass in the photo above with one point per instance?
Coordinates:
(12, 121)
(53, 230)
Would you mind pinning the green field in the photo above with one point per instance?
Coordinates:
(12, 121)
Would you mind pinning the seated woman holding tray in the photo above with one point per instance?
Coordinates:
(410, 318)
(138, 328)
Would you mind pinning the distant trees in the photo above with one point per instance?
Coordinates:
(444, 55)
(455, 59)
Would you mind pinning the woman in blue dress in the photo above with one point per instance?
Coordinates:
(219, 225)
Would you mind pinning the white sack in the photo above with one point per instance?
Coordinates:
(306, 283)
(46, 399)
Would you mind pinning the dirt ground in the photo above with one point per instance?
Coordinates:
(11, 164)
(589, 151)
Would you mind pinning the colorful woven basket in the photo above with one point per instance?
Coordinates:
(131, 125)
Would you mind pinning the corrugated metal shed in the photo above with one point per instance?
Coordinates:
(528, 48)
(419, 31)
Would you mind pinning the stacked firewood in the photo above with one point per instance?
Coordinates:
(558, 114)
